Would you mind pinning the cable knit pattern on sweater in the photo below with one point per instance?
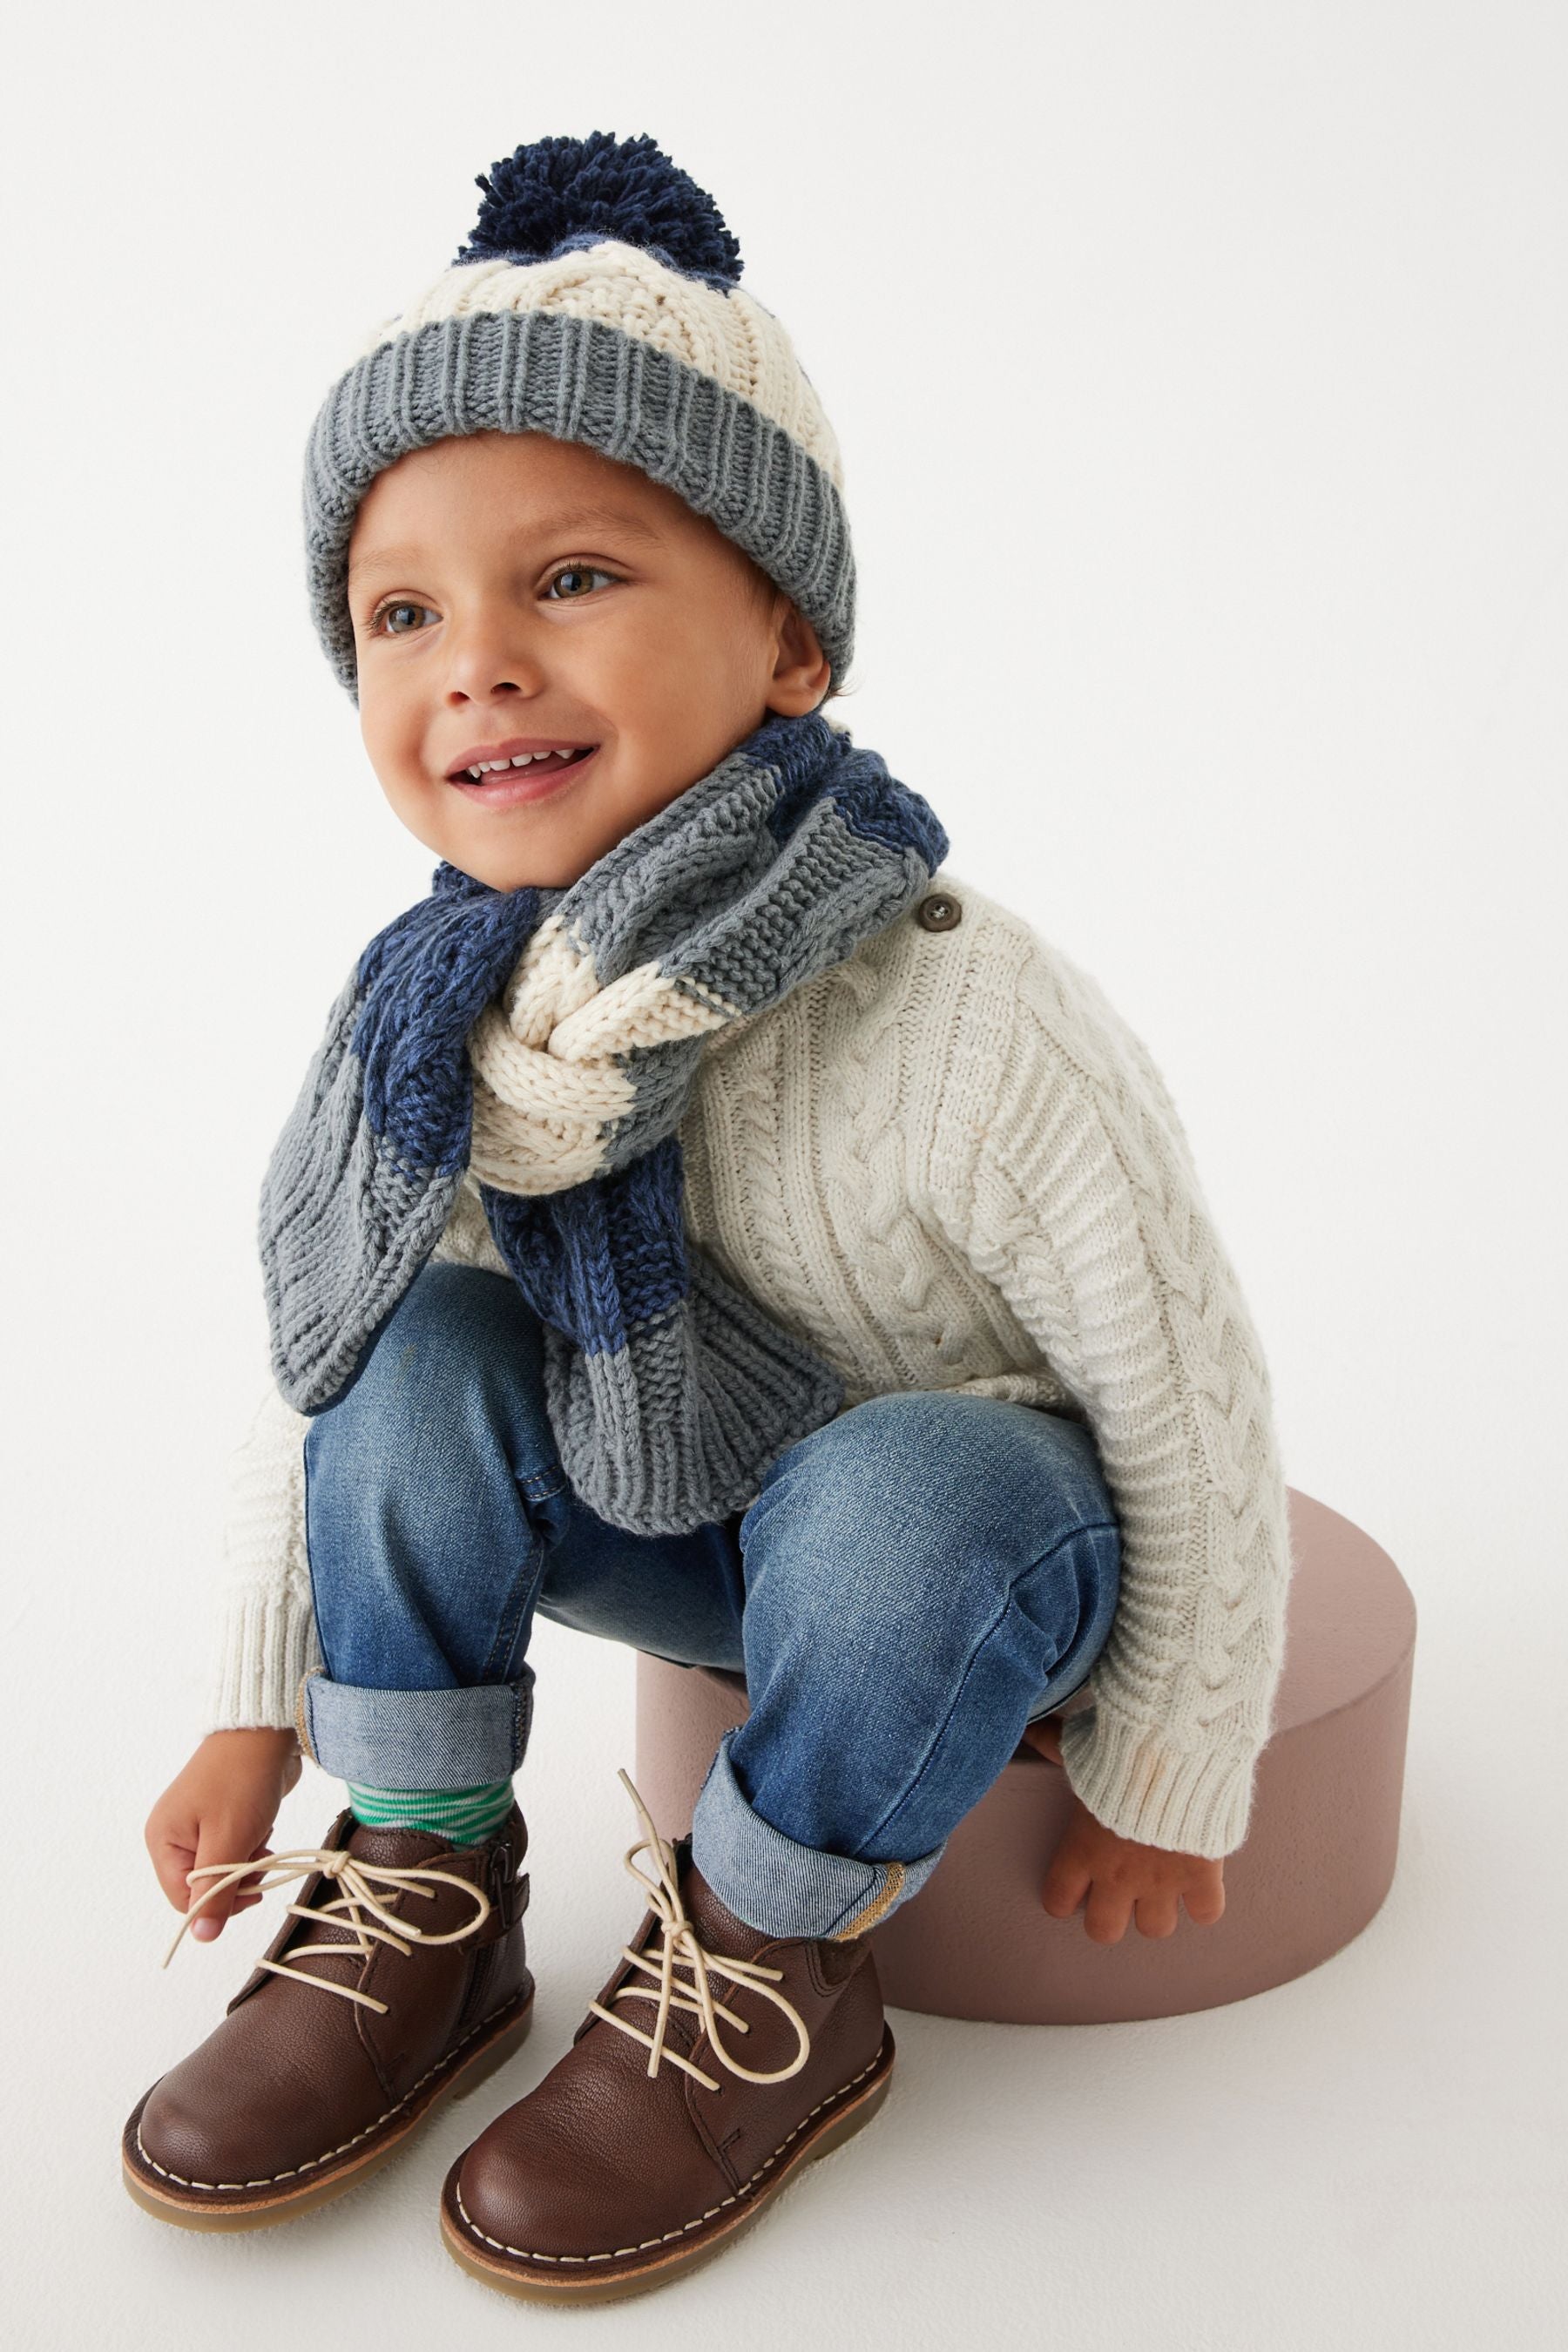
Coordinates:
(949, 1163)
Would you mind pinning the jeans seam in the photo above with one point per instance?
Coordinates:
(309, 1563)
(537, 1486)
(1099, 1526)
(855, 1903)
(524, 1584)
(534, 1485)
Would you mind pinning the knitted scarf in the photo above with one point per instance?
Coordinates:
(548, 1039)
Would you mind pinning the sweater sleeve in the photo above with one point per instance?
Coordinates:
(1089, 1216)
(266, 1633)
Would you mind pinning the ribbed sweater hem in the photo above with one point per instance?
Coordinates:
(267, 1643)
(1132, 1778)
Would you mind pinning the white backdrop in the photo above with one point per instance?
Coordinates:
(1201, 374)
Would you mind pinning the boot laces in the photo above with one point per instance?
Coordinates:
(680, 1946)
(358, 1908)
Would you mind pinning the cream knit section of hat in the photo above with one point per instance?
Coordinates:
(728, 336)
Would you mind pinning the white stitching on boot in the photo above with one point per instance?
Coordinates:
(531, 2255)
(312, 2163)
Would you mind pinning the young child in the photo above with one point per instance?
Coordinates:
(709, 1221)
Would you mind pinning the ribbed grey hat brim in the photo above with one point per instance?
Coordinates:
(576, 380)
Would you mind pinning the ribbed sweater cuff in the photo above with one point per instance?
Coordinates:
(268, 1642)
(1132, 1780)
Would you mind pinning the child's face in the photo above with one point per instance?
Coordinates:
(512, 593)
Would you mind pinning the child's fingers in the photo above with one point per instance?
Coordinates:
(247, 1893)
(1046, 1738)
(1066, 1883)
(171, 1862)
(1106, 1913)
(1206, 1902)
(1156, 1914)
(224, 1838)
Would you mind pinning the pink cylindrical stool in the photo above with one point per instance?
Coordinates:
(1317, 1859)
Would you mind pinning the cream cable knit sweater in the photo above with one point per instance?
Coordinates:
(949, 1163)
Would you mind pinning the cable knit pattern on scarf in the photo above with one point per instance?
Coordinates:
(948, 1163)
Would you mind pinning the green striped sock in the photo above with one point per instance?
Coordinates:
(463, 1816)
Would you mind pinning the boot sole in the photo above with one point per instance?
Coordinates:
(187, 2212)
(532, 2286)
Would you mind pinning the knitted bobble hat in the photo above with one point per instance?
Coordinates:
(597, 300)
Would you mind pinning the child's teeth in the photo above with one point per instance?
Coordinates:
(518, 760)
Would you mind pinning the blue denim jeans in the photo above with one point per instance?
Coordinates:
(916, 1580)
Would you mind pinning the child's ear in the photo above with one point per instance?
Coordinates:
(802, 671)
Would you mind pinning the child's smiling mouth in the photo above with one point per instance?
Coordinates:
(524, 768)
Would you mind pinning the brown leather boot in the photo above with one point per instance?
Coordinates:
(399, 1978)
(654, 2143)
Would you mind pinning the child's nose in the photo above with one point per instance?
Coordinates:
(487, 655)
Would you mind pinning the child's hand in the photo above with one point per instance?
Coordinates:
(221, 1807)
(1113, 1876)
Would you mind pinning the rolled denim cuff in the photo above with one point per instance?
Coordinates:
(781, 1888)
(426, 1739)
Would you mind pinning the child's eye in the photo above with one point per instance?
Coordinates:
(577, 579)
(398, 619)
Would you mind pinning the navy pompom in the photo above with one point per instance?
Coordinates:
(562, 193)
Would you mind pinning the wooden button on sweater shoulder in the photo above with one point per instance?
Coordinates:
(940, 912)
